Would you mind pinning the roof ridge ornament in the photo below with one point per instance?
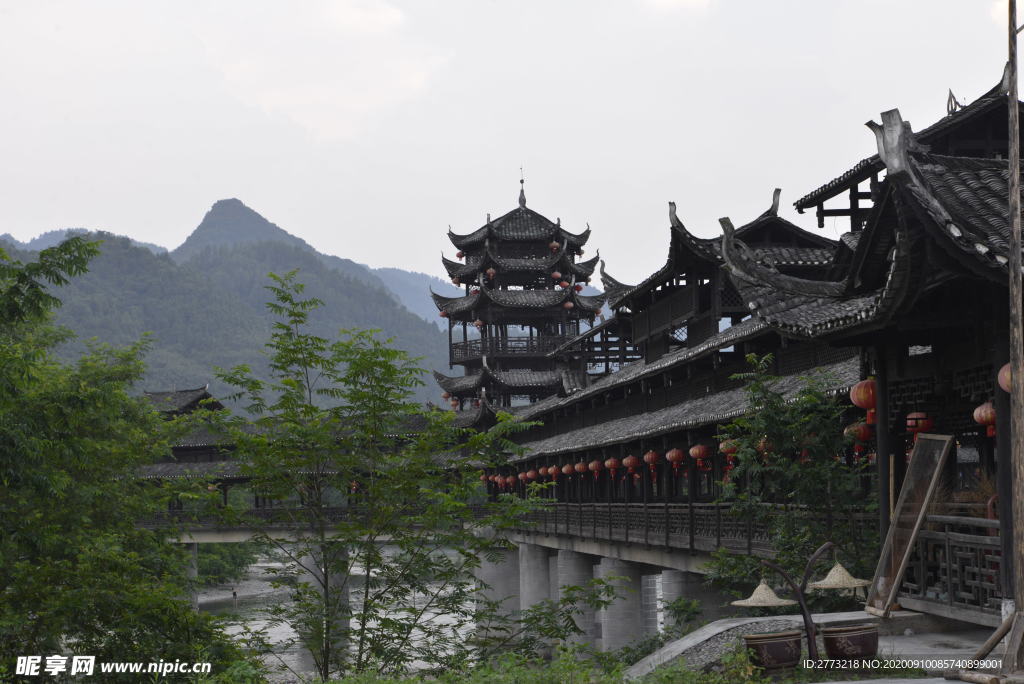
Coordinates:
(522, 189)
(895, 139)
(953, 105)
(774, 209)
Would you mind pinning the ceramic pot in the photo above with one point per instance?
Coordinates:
(854, 641)
(774, 650)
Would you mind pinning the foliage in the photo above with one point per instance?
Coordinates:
(220, 563)
(793, 463)
(76, 571)
(388, 495)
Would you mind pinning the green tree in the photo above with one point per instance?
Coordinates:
(794, 468)
(76, 572)
(376, 507)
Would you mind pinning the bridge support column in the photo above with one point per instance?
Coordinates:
(333, 587)
(622, 621)
(577, 569)
(534, 575)
(192, 573)
(649, 601)
(502, 578)
(673, 584)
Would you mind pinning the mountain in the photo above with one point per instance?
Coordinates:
(54, 237)
(231, 223)
(205, 303)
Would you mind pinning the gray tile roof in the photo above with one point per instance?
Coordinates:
(640, 369)
(994, 97)
(713, 408)
(176, 401)
(520, 225)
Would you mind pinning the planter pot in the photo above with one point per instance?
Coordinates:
(855, 641)
(776, 649)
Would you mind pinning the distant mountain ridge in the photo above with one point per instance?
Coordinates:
(205, 302)
(52, 238)
(229, 222)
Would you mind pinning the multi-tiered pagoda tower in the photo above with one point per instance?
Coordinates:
(523, 301)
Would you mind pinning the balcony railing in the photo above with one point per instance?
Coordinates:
(506, 346)
(954, 569)
(697, 526)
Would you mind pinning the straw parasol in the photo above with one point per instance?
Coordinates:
(839, 578)
(763, 597)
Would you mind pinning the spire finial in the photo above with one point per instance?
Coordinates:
(522, 188)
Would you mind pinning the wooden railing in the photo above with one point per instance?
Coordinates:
(954, 569)
(664, 313)
(502, 346)
(697, 527)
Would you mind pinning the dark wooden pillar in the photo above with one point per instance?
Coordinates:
(1004, 465)
(883, 438)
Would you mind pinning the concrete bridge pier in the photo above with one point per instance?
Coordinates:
(673, 586)
(192, 573)
(577, 569)
(534, 575)
(622, 621)
(502, 580)
(314, 571)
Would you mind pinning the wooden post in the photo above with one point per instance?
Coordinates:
(1013, 660)
(883, 456)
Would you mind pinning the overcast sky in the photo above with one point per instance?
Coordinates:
(366, 127)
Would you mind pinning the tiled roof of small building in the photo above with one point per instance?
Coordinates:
(177, 401)
(713, 408)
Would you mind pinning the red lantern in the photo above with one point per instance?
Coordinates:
(491, 273)
(613, 464)
(564, 284)
(510, 481)
(859, 431)
(459, 255)
(531, 474)
(918, 421)
(553, 473)
(632, 463)
(581, 467)
(1005, 378)
(556, 275)
(675, 457)
(553, 246)
(446, 395)
(567, 469)
(595, 467)
(651, 458)
(729, 446)
(698, 452)
(522, 477)
(871, 417)
(478, 323)
(475, 291)
(986, 415)
(578, 288)
(568, 305)
(443, 314)
(483, 477)
(862, 395)
(456, 281)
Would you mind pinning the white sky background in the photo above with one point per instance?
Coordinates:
(367, 126)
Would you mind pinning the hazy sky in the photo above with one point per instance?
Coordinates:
(368, 126)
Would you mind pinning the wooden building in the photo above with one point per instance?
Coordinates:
(523, 299)
(914, 295)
